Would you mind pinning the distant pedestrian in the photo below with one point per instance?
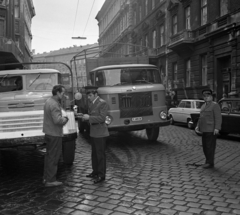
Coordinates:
(98, 132)
(53, 123)
(209, 124)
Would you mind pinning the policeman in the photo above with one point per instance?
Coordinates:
(97, 112)
(209, 124)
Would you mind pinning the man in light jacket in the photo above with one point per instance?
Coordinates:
(209, 124)
(53, 123)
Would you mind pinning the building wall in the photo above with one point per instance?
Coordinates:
(16, 37)
(218, 39)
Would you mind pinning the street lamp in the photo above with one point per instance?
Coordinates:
(81, 38)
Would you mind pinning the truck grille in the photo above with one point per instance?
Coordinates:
(135, 104)
(21, 123)
(21, 105)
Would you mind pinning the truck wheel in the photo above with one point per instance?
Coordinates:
(68, 151)
(152, 133)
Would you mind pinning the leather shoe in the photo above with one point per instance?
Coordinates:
(207, 166)
(92, 175)
(98, 180)
(53, 184)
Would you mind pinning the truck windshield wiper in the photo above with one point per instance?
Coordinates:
(34, 80)
(4, 78)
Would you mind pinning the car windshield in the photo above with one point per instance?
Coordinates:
(199, 104)
(126, 76)
(41, 81)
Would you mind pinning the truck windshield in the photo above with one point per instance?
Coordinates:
(10, 83)
(126, 76)
(41, 81)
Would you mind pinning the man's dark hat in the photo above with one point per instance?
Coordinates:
(91, 89)
(207, 91)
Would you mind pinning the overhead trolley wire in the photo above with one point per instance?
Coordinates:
(88, 18)
(75, 18)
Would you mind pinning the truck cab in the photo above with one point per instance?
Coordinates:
(22, 96)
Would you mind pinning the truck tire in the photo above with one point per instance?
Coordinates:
(68, 151)
(152, 133)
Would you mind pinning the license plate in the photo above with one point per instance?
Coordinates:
(135, 119)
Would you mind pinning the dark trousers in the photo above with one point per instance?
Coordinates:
(99, 156)
(209, 146)
(54, 150)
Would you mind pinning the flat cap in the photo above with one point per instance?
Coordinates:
(90, 89)
(207, 91)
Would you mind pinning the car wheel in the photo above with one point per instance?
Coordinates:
(171, 120)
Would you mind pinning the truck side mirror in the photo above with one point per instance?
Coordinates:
(78, 96)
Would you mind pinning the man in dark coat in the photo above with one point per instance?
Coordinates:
(96, 116)
(209, 124)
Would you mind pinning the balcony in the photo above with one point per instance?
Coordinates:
(161, 50)
(9, 50)
(182, 42)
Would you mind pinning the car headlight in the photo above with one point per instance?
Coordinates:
(163, 115)
(108, 120)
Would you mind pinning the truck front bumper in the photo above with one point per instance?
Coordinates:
(138, 127)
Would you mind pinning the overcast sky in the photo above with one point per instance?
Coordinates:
(57, 21)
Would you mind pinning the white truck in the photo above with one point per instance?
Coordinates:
(21, 110)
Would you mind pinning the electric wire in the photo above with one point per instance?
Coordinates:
(88, 18)
(75, 17)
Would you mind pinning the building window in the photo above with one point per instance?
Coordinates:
(146, 40)
(154, 35)
(134, 17)
(140, 12)
(153, 4)
(2, 27)
(188, 73)
(223, 7)
(204, 69)
(16, 9)
(187, 18)
(161, 35)
(174, 24)
(141, 44)
(203, 12)
(146, 7)
(175, 78)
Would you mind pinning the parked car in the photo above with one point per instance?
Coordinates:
(182, 112)
(230, 110)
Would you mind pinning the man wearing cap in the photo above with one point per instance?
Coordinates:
(209, 124)
(97, 112)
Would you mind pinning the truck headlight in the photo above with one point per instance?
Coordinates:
(108, 120)
(163, 115)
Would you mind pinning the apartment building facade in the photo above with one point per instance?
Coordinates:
(195, 43)
(15, 31)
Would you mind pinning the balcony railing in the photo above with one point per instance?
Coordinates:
(186, 35)
(161, 50)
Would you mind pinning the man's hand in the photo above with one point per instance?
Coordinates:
(66, 120)
(216, 132)
(85, 117)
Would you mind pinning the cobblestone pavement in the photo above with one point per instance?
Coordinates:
(142, 178)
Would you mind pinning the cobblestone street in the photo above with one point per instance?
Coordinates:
(163, 177)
